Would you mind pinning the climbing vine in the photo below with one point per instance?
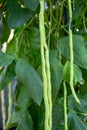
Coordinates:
(43, 67)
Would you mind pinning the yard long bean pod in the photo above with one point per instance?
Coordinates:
(3, 108)
(65, 108)
(49, 88)
(71, 54)
(45, 70)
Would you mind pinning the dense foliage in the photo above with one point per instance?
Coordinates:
(22, 62)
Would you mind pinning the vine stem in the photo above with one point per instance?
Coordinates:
(45, 70)
(84, 23)
(10, 103)
(71, 54)
(3, 108)
(65, 106)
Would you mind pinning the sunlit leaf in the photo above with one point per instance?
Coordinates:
(77, 73)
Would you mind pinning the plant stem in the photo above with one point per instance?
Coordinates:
(50, 22)
(84, 23)
(3, 108)
(10, 102)
(65, 106)
(71, 54)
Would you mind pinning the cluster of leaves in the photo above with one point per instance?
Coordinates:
(23, 61)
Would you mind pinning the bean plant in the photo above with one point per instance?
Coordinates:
(43, 64)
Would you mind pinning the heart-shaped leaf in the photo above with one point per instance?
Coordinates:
(79, 50)
(29, 77)
(17, 15)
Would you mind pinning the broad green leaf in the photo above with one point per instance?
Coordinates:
(1, 26)
(7, 75)
(23, 99)
(56, 72)
(37, 112)
(78, 7)
(5, 59)
(22, 104)
(11, 47)
(21, 121)
(19, 30)
(17, 15)
(32, 4)
(79, 50)
(58, 114)
(22, 46)
(15, 118)
(54, 59)
(83, 88)
(61, 127)
(57, 77)
(75, 123)
(34, 37)
(26, 122)
(5, 30)
(82, 107)
(77, 73)
(29, 77)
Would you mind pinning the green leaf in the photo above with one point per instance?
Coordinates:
(21, 120)
(5, 30)
(29, 77)
(58, 114)
(79, 50)
(77, 73)
(32, 4)
(17, 15)
(56, 72)
(60, 128)
(83, 88)
(26, 123)
(23, 99)
(1, 26)
(75, 123)
(57, 77)
(78, 7)
(82, 107)
(5, 59)
(37, 112)
(7, 75)
(22, 46)
(34, 37)
(11, 47)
